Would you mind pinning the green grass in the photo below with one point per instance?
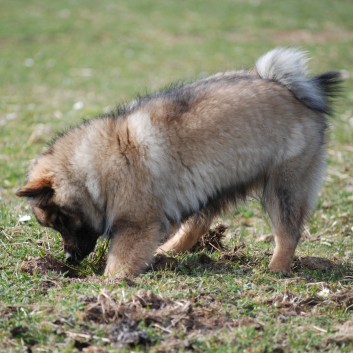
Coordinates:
(57, 53)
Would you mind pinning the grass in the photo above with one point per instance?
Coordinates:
(55, 54)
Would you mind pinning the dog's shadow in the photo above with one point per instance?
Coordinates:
(309, 268)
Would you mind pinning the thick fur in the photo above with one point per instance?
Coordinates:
(167, 163)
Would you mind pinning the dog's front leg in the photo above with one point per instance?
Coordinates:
(131, 250)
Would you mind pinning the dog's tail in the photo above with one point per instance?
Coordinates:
(289, 67)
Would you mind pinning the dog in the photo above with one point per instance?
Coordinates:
(160, 168)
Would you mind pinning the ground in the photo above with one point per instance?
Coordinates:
(62, 62)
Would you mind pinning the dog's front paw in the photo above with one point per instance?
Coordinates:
(116, 270)
(280, 266)
(113, 269)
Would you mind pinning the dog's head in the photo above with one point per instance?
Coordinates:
(59, 205)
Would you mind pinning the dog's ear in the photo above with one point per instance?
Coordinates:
(40, 189)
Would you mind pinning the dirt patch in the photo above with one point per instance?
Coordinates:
(127, 319)
(144, 306)
(23, 332)
(163, 262)
(313, 263)
(212, 240)
(47, 264)
(238, 255)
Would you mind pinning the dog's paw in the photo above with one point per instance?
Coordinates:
(280, 267)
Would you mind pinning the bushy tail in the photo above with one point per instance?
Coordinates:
(289, 67)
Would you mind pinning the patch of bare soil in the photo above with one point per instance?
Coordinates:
(316, 263)
(238, 255)
(23, 332)
(47, 264)
(163, 262)
(172, 318)
(212, 240)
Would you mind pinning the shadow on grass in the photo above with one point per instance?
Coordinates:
(311, 269)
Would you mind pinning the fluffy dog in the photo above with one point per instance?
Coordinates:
(174, 159)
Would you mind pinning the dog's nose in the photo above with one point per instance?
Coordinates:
(68, 256)
(71, 258)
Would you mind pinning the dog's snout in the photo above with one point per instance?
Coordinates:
(72, 257)
(68, 256)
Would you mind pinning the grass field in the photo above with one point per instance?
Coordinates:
(63, 61)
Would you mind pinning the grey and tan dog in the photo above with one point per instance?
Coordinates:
(169, 162)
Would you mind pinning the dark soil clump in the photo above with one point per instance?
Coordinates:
(47, 264)
(212, 240)
(128, 318)
(315, 263)
(163, 262)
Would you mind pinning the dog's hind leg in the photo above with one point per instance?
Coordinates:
(187, 235)
(289, 193)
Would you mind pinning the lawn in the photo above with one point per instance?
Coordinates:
(69, 60)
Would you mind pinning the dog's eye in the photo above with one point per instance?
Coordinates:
(59, 223)
(68, 220)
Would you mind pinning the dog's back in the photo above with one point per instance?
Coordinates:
(208, 139)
